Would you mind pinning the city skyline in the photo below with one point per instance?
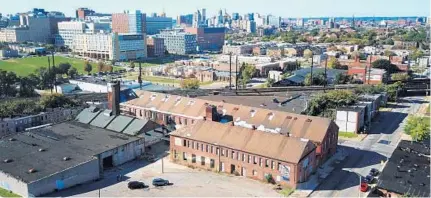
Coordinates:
(311, 8)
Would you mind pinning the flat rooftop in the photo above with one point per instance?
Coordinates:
(408, 170)
(77, 141)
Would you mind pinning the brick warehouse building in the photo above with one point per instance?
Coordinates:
(245, 152)
(177, 112)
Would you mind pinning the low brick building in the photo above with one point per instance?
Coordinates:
(246, 152)
(377, 76)
(177, 112)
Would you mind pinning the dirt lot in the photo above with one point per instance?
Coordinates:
(186, 183)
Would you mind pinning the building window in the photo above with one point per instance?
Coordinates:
(193, 158)
(272, 165)
(184, 143)
(188, 143)
(243, 157)
(266, 163)
(202, 147)
(249, 159)
(203, 161)
(140, 113)
(254, 160)
(260, 162)
(212, 149)
(222, 152)
(197, 146)
(184, 156)
(185, 121)
(193, 145)
(254, 173)
(207, 148)
(232, 154)
(217, 150)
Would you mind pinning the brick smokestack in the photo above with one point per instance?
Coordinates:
(114, 97)
(211, 113)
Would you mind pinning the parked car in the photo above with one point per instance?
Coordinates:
(160, 182)
(363, 187)
(374, 172)
(135, 185)
(369, 179)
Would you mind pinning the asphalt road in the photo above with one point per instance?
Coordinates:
(384, 136)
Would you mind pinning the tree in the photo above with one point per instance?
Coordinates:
(324, 103)
(57, 100)
(318, 79)
(109, 68)
(417, 127)
(190, 83)
(342, 78)
(389, 53)
(101, 66)
(132, 64)
(333, 63)
(49, 47)
(247, 72)
(269, 82)
(386, 65)
(400, 76)
(72, 73)
(7, 82)
(287, 75)
(388, 41)
(314, 32)
(308, 53)
(417, 54)
(87, 67)
(63, 68)
(26, 86)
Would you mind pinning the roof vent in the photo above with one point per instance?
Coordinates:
(295, 118)
(66, 158)
(308, 120)
(236, 108)
(42, 150)
(12, 139)
(32, 170)
(263, 105)
(289, 117)
(7, 160)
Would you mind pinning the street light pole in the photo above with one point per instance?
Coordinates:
(311, 73)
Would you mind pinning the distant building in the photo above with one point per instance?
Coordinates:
(155, 47)
(251, 27)
(8, 53)
(405, 44)
(129, 22)
(177, 42)
(208, 38)
(275, 52)
(377, 76)
(185, 20)
(238, 49)
(67, 30)
(155, 24)
(112, 46)
(273, 21)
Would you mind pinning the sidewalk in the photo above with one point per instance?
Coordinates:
(306, 188)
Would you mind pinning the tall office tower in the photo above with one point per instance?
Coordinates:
(220, 17)
(204, 15)
(235, 16)
(127, 22)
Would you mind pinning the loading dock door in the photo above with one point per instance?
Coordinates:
(108, 162)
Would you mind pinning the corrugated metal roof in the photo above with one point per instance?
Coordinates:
(119, 123)
(87, 115)
(135, 127)
(103, 119)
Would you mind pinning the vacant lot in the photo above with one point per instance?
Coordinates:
(27, 66)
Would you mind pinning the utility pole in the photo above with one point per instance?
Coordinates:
(140, 76)
(49, 72)
(311, 73)
(53, 67)
(326, 77)
(236, 73)
(369, 69)
(230, 71)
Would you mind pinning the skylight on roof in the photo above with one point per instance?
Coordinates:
(252, 112)
(153, 96)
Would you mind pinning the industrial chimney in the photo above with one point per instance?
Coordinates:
(114, 97)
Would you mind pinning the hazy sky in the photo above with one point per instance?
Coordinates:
(284, 8)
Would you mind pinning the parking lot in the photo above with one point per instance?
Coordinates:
(186, 182)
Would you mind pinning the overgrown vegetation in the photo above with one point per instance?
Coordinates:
(347, 134)
(19, 107)
(418, 127)
(324, 104)
(318, 79)
(7, 193)
(391, 89)
(190, 83)
(287, 191)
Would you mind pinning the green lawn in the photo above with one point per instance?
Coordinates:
(347, 134)
(27, 66)
(6, 193)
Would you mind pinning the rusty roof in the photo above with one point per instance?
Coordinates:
(276, 146)
(300, 126)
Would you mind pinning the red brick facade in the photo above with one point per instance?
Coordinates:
(223, 159)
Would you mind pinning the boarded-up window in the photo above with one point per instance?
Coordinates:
(177, 141)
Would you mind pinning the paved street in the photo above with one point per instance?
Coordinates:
(378, 145)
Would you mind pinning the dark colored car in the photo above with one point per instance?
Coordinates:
(160, 182)
(136, 185)
(369, 179)
(374, 172)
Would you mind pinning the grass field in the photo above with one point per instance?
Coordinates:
(27, 66)
(6, 193)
